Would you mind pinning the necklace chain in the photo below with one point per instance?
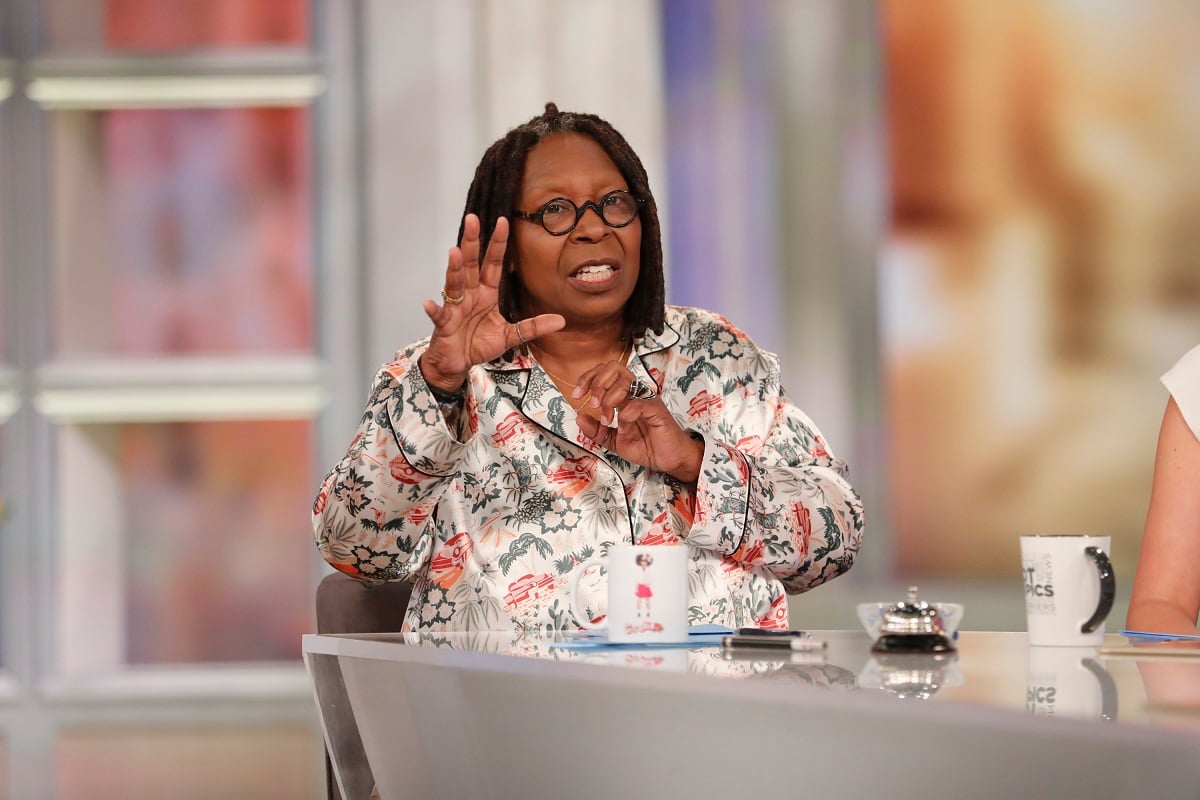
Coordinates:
(626, 352)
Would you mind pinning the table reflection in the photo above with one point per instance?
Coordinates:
(1069, 682)
(411, 696)
(809, 669)
(991, 669)
(1171, 683)
(1172, 691)
(911, 676)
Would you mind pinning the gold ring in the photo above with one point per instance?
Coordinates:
(452, 301)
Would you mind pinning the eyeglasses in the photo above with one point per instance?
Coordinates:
(560, 216)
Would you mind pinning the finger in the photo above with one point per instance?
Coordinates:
(526, 330)
(608, 408)
(631, 413)
(601, 435)
(592, 381)
(616, 392)
(542, 324)
(470, 242)
(433, 311)
(616, 382)
(493, 260)
(440, 317)
(609, 416)
(590, 427)
(606, 437)
(643, 417)
(454, 284)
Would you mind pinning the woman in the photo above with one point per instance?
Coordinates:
(560, 406)
(1166, 590)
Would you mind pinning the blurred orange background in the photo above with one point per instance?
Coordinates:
(1041, 269)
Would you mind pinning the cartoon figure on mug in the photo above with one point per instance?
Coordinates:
(643, 590)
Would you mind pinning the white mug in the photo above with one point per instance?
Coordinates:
(647, 594)
(1069, 589)
(1069, 682)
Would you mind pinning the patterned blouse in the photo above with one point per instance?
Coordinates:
(489, 519)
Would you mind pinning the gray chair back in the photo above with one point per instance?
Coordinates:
(345, 605)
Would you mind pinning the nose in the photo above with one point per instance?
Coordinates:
(590, 226)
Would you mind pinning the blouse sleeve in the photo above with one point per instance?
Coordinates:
(771, 494)
(375, 512)
(1183, 382)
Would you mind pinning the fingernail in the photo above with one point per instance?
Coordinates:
(595, 402)
(577, 393)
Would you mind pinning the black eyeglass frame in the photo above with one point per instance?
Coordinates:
(539, 215)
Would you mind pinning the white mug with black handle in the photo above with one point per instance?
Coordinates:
(1069, 589)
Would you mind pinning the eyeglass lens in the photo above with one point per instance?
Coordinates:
(617, 209)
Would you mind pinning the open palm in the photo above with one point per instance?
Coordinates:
(468, 329)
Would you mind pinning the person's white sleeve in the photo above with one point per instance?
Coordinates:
(1183, 382)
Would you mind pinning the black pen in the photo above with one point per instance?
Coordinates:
(770, 632)
(798, 644)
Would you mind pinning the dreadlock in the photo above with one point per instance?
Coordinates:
(497, 185)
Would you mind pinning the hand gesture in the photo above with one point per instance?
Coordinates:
(468, 328)
(635, 424)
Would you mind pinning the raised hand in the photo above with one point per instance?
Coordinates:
(468, 328)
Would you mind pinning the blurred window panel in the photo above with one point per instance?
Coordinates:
(4, 354)
(175, 25)
(5, 512)
(4, 292)
(182, 232)
(178, 543)
(254, 762)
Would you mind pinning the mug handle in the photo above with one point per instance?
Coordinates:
(573, 596)
(1108, 589)
(1108, 689)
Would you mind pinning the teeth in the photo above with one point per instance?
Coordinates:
(595, 272)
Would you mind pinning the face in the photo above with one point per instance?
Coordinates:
(588, 274)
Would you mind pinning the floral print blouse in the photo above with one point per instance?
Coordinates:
(489, 519)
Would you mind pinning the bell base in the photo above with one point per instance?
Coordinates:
(912, 643)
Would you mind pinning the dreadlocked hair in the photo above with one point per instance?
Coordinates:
(497, 185)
